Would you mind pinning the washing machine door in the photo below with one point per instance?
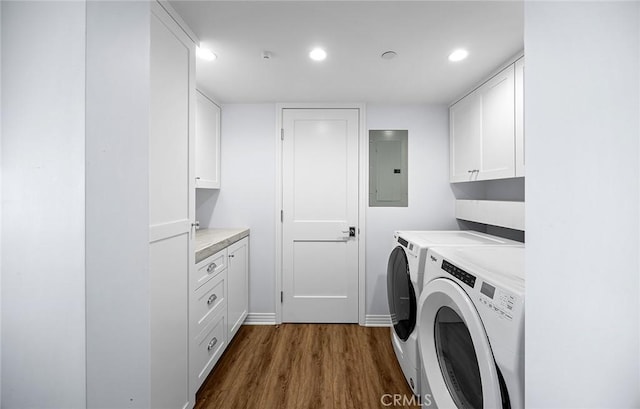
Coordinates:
(455, 351)
(401, 294)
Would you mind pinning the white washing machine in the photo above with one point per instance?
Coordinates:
(404, 283)
(471, 328)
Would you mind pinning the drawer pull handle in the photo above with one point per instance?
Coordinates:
(212, 299)
(212, 343)
(211, 267)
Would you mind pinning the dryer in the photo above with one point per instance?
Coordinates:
(405, 271)
(471, 327)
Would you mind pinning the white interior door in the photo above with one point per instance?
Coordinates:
(320, 204)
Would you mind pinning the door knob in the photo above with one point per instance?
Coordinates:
(351, 231)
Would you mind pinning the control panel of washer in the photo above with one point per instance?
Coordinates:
(499, 301)
(459, 273)
(406, 244)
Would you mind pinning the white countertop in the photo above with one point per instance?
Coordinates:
(211, 241)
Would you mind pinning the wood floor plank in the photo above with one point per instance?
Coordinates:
(306, 366)
(315, 386)
(279, 381)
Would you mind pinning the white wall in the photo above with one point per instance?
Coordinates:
(582, 129)
(0, 203)
(431, 201)
(117, 204)
(43, 188)
(247, 194)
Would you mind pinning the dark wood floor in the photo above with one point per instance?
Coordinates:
(298, 366)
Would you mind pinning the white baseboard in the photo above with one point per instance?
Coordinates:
(260, 318)
(269, 318)
(377, 320)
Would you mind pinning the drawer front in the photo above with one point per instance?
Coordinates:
(209, 268)
(209, 300)
(209, 346)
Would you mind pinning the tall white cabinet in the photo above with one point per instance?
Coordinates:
(171, 208)
(117, 159)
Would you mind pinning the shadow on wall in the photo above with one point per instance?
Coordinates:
(504, 232)
(380, 289)
(501, 189)
(206, 200)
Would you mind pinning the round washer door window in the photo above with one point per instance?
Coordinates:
(457, 359)
(455, 351)
(401, 294)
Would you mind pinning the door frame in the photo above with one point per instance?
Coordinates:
(363, 194)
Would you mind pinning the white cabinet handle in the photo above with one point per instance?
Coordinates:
(211, 267)
(212, 299)
(473, 171)
(212, 343)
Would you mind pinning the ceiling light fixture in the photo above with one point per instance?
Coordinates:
(388, 55)
(205, 54)
(458, 55)
(318, 54)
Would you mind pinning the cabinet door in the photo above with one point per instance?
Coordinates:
(497, 155)
(171, 208)
(519, 93)
(465, 129)
(238, 285)
(207, 143)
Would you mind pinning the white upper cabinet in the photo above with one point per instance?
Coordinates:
(465, 118)
(207, 143)
(497, 143)
(483, 131)
(519, 68)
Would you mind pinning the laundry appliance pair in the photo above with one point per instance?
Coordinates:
(428, 349)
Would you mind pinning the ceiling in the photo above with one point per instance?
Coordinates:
(354, 34)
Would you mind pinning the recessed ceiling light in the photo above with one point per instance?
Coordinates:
(458, 55)
(205, 54)
(387, 55)
(318, 54)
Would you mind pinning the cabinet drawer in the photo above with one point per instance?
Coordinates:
(209, 346)
(208, 301)
(209, 268)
